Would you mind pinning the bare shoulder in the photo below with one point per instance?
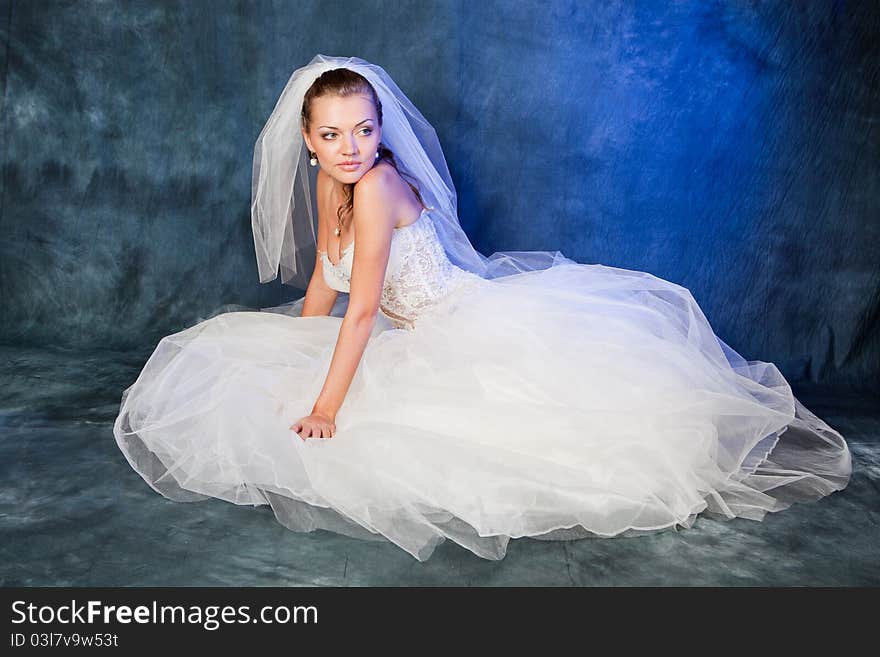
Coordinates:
(381, 181)
(382, 191)
(377, 197)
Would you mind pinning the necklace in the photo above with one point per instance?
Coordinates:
(339, 222)
(338, 230)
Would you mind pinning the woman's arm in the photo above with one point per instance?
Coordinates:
(320, 297)
(374, 224)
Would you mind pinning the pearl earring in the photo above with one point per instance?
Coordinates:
(314, 159)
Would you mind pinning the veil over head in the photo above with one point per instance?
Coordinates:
(284, 217)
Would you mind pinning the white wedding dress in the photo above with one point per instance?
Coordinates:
(577, 400)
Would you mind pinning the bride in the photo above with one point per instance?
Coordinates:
(448, 394)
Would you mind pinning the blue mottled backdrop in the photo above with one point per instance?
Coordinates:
(730, 147)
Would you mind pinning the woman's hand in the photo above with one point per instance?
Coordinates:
(316, 425)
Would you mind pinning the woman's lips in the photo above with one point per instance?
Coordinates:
(350, 167)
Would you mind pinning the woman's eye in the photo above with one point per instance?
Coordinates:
(369, 131)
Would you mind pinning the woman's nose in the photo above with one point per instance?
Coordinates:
(349, 146)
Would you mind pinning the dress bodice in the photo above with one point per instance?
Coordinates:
(418, 273)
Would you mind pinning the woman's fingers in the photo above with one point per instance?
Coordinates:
(309, 430)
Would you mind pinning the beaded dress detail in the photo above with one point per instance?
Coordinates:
(418, 275)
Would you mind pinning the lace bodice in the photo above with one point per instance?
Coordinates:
(418, 274)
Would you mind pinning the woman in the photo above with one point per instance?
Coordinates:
(460, 396)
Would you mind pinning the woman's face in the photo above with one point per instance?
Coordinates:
(344, 130)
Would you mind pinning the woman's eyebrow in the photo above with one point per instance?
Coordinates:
(335, 128)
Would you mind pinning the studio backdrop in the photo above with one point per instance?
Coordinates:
(729, 147)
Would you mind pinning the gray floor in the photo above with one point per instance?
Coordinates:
(73, 513)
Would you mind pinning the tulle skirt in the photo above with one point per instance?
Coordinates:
(575, 401)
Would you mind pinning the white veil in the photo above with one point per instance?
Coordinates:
(283, 216)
